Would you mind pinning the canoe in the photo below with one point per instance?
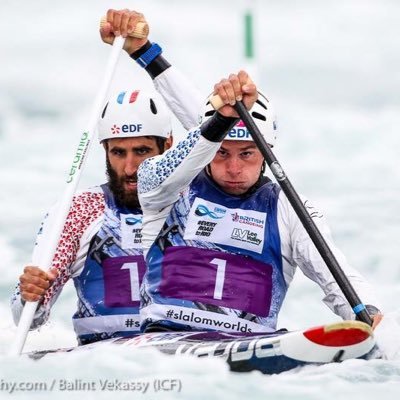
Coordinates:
(269, 353)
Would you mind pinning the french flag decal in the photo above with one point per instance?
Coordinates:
(134, 96)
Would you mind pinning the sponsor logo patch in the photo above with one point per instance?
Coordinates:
(203, 211)
(245, 235)
(244, 219)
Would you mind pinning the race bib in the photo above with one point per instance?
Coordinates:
(217, 278)
(214, 223)
(122, 279)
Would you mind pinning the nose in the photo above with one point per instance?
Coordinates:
(131, 165)
(234, 166)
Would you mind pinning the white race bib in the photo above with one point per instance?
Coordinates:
(212, 222)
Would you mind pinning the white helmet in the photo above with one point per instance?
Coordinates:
(133, 114)
(264, 117)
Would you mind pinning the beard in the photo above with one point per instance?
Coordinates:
(122, 197)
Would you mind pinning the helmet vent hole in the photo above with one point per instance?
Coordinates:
(261, 104)
(104, 111)
(153, 107)
(258, 116)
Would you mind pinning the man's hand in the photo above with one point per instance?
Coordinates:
(34, 282)
(236, 88)
(376, 319)
(123, 22)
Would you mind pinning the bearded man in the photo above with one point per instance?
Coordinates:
(100, 246)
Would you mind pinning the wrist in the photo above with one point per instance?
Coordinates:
(216, 127)
(138, 52)
(150, 58)
(146, 54)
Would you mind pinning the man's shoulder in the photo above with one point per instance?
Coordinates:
(90, 191)
(92, 197)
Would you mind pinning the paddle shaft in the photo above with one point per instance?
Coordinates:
(304, 216)
(45, 257)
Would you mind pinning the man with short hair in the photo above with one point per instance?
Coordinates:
(221, 241)
(100, 246)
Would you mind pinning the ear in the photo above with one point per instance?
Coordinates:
(168, 142)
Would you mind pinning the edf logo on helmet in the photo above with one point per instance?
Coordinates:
(239, 131)
(127, 128)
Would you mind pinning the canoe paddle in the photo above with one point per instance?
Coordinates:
(45, 258)
(298, 206)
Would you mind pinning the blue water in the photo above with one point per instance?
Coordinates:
(331, 69)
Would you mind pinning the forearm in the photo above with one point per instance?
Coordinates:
(35, 283)
(162, 178)
(70, 252)
(180, 95)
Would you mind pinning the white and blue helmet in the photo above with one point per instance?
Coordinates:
(133, 114)
(263, 115)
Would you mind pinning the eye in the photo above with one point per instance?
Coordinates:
(246, 154)
(117, 152)
(142, 151)
(222, 153)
